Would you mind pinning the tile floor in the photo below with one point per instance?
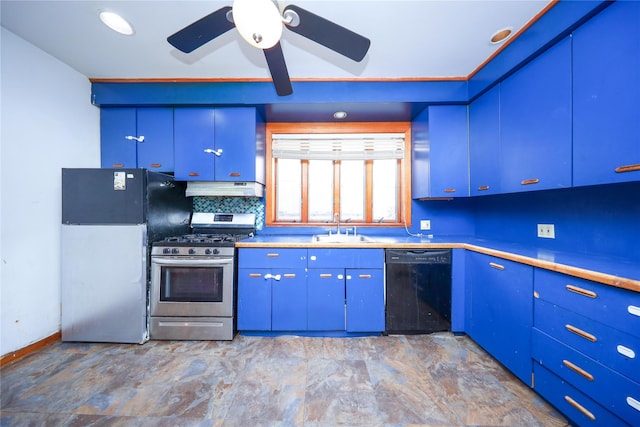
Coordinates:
(427, 380)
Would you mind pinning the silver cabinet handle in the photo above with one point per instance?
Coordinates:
(635, 404)
(135, 138)
(626, 351)
(217, 152)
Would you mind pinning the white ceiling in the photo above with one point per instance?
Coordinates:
(409, 39)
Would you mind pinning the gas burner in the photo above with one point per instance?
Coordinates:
(211, 230)
(208, 238)
(204, 239)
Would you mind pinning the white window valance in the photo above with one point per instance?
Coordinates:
(335, 146)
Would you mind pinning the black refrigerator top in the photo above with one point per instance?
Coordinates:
(124, 196)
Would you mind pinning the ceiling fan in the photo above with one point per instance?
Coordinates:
(260, 23)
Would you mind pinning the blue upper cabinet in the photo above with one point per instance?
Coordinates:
(115, 150)
(440, 165)
(194, 143)
(219, 144)
(606, 85)
(484, 143)
(239, 136)
(535, 123)
(137, 137)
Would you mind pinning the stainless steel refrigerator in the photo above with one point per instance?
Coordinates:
(110, 217)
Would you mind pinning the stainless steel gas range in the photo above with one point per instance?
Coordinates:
(193, 279)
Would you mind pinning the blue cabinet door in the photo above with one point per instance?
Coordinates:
(535, 123)
(156, 151)
(119, 127)
(420, 166)
(365, 300)
(254, 299)
(194, 142)
(274, 258)
(501, 315)
(115, 150)
(484, 143)
(326, 299)
(440, 153)
(606, 93)
(345, 258)
(449, 151)
(288, 300)
(218, 144)
(235, 135)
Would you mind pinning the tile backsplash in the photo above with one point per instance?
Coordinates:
(254, 205)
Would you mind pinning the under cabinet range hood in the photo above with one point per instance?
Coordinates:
(229, 189)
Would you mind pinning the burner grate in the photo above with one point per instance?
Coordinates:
(213, 239)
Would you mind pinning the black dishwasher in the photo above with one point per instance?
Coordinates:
(418, 291)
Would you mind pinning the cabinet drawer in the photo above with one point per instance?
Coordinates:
(573, 404)
(613, 391)
(272, 258)
(613, 306)
(611, 347)
(346, 258)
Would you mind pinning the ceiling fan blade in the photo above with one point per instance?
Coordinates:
(278, 70)
(329, 34)
(202, 31)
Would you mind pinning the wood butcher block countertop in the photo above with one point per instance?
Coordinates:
(621, 273)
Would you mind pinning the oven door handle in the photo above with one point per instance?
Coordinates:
(191, 262)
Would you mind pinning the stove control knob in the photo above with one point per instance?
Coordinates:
(216, 251)
(166, 251)
(175, 251)
(192, 251)
(207, 251)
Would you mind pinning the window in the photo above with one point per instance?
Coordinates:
(358, 170)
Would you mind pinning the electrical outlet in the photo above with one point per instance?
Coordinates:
(425, 224)
(546, 231)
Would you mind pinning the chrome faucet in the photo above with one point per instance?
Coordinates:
(336, 219)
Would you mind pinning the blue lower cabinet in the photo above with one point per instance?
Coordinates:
(575, 405)
(606, 304)
(611, 347)
(365, 300)
(254, 300)
(612, 391)
(326, 300)
(501, 310)
(289, 300)
(272, 300)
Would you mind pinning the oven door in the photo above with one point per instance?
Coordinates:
(192, 287)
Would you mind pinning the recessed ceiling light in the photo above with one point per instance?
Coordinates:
(501, 35)
(340, 115)
(116, 22)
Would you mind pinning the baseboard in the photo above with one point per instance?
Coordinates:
(31, 348)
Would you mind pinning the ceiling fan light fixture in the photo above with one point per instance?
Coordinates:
(501, 35)
(258, 22)
(116, 22)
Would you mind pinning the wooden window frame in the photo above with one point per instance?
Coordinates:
(404, 172)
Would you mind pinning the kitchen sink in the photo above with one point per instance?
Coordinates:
(340, 238)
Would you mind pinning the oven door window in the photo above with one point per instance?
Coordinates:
(191, 284)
